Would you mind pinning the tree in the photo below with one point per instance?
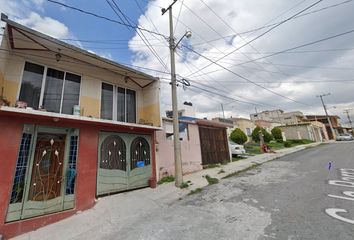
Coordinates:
(238, 136)
(266, 135)
(276, 132)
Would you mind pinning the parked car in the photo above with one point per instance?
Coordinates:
(345, 137)
(236, 149)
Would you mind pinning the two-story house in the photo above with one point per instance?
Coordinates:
(73, 126)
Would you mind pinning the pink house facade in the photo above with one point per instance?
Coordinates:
(190, 149)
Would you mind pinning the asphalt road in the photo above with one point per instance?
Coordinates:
(294, 197)
(282, 199)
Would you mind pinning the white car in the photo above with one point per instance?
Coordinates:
(236, 149)
(345, 137)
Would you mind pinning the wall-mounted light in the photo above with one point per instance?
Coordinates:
(58, 57)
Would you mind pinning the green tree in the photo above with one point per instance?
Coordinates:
(238, 136)
(266, 135)
(276, 132)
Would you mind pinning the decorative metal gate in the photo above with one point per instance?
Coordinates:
(124, 162)
(45, 173)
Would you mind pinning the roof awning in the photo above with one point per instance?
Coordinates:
(24, 39)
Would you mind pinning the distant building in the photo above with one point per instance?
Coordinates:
(278, 116)
(188, 110)
(246, 125)
(323, 119)
(267, 125)
(314, 131)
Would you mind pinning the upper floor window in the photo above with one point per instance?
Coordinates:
(118, 103)
(57, 91)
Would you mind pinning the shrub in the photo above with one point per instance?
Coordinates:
(238, 136)
(266, 135)
(276, 132)
(287, 144)
(279, 140)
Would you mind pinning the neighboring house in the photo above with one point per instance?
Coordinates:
(323, 119)
(267, 116)
(267, 125)
(229, 123)
(202, 142)
(278, 116)
(246, 125)
(190, 148)
(310, 131)
(88, 129)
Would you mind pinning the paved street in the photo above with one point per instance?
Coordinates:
(281, 199)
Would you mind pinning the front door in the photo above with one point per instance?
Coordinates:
(45, 175)
(45, 193)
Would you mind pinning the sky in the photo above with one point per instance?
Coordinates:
(226, 61)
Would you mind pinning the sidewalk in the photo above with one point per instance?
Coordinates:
(120, 210)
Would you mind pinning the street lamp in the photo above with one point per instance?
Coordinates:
(177, 143)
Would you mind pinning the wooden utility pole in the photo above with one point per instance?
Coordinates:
(349, 120)
(261, 140)
(328, 118)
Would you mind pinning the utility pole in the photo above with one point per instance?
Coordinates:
(349, 120)
(222, 108)
(325, 109)
(177, 143)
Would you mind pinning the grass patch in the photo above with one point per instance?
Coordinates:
(166, 179)
(237, 158)
(221, 171)
(214, 165)
(241, 171)
(211, 180)
(275, 145)
(252, 148)
(184, 185)
(197, 190)
(225, 162)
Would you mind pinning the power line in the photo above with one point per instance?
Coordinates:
(213, 29)
(261, 35)
(300, 46)
(141, 34)
(105, 18)
(179, 13)
(273, 24)
(230, 27)
(286, 50)
(248, 80)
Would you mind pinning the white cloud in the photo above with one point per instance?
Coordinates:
(242, 16)
(46, 25)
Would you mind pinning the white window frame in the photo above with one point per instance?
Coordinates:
(115, 96)
(44, 81)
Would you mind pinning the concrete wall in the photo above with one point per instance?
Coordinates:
(191, 153)
(11, 70)
(296, 132)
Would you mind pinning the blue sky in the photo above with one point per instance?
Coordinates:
(90, 28)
